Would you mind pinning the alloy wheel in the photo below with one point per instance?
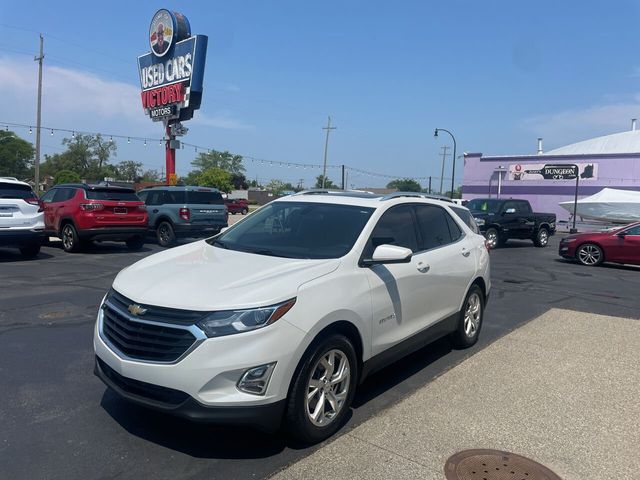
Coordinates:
(589, 255)
(472, 315)
(327, 387)
(67, 237)
(543, 237)
(492, 238)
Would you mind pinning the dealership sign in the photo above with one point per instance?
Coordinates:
(546, 171)
(171, 73)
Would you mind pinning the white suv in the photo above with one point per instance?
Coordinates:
(283, 314)
(21, 217)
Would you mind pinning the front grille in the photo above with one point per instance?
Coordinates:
(164, 395)
(143, 341)
(158, 314)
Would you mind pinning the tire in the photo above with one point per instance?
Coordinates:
(589, 254)
(244, 211)
(30, 251)
(470, 321)
(166, 235)
(299, 420)
(493, 238)
(541, 239)
(135, 243)
(70, 240)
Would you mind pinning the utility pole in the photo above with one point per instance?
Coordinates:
(444, 156)
(429, 185)
(39, 116)
(343, 184)
(328, 128)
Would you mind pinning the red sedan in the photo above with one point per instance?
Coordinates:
(620, 245)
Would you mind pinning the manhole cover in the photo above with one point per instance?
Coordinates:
(494, 465)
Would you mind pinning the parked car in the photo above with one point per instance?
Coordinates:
(237, 205)
(620, 245)
(21, 217)
(79, 213)
(282, 315)
(500, 220)
(184, 212)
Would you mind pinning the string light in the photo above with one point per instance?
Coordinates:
(30, 130)
(128, 140)
(145, 143)
(52, 132)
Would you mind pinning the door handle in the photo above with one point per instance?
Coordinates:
(155, 210)
(466, 253)
(423, 267)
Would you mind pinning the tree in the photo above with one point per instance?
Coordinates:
(276, 186)
(16, 156)
(239, 181)
(129, 170)
(86, 155)
(217, 178)
(405, 185)
(66, 176)
(224, 160)
(327, 183)
(457, 193)
(150, 176)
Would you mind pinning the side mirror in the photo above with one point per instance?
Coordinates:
(223, 229)
(621, 234)
(388, 254)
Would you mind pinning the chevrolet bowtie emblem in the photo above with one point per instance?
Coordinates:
(136, 309)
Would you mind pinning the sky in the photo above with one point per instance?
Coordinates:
(497, 74)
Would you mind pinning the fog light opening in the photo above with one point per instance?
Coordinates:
(256, 380)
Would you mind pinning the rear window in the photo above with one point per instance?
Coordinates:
(12, 190)
(204, 197)
(112, 194)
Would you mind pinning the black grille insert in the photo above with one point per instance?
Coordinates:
(144, 341)
(166, 396)
(158, 314)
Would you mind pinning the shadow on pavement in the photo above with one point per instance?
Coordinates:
(15, 256)
(194, 439)
(610, 266)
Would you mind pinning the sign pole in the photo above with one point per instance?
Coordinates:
(170, 158)
(575, 200)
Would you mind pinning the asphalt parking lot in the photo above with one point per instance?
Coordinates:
(57, 421)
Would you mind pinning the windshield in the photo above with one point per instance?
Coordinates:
(484, 205)
(297, 230)
(112, 194)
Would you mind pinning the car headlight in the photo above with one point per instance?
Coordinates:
(229, 322)
(479, 221)
(569, 240)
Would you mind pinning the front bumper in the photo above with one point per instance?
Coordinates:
(205, 379)
(19, 238)
(265, 417)
(567, 250)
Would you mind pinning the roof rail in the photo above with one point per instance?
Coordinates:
(417, 195)
(10, 178)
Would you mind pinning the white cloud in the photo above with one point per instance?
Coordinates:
(572, 125)
(222, 120)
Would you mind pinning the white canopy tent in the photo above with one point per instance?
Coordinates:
(608, 205)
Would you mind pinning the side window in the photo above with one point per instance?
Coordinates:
(143, 196)
(510, 205)
(154, 197)
(524, 207)
(633, 230)
(454, 229)
(466, 217)
(395, 227)
(48, 197)
(63, 194)
(433, 226)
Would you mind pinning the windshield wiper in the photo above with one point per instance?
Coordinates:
(220, 243)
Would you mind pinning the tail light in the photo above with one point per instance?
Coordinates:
(142, 208)
(35, 201)
(90, 207)
(487, 246)
(185, 214)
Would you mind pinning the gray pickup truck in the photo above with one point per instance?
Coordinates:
(184, 212)
(500, 220)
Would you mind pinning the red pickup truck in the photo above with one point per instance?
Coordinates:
(237, 205)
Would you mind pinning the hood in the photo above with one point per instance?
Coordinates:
(198, 276)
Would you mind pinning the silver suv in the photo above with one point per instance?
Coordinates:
(21, 217)
(184, 212)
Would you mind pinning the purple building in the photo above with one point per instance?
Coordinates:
(611, 161)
